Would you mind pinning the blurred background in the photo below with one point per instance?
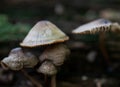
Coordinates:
(87, 64)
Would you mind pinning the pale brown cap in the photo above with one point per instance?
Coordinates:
(47, 68)
(44, 33)
(100, 25)
(17, 60)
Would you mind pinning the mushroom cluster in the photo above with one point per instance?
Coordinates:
(44, 33)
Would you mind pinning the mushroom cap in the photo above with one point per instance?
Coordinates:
(11, 63)
(17, 60)
(100, 25)
(56, 53)
(44, 33)
(47, 68)
(16, 52)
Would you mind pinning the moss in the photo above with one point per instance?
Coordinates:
(10, 31)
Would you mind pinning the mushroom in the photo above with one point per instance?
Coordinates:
(49, 69)
(45, 33)
(56, 53)
(17, 60)
(99, 26)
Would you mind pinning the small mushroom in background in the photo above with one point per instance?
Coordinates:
(111, 14)
(45, 33)
(99, 26)
(18, 60)
(91, 56)
(59, 9)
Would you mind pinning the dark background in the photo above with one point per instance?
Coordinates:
(18, 16)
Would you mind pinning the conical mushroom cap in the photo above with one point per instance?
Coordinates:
(100, 25)
(47, 68)
(44, 33)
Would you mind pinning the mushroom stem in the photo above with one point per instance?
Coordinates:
(46, 80)
(36, 83)
(53, 81)
(102, 47)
